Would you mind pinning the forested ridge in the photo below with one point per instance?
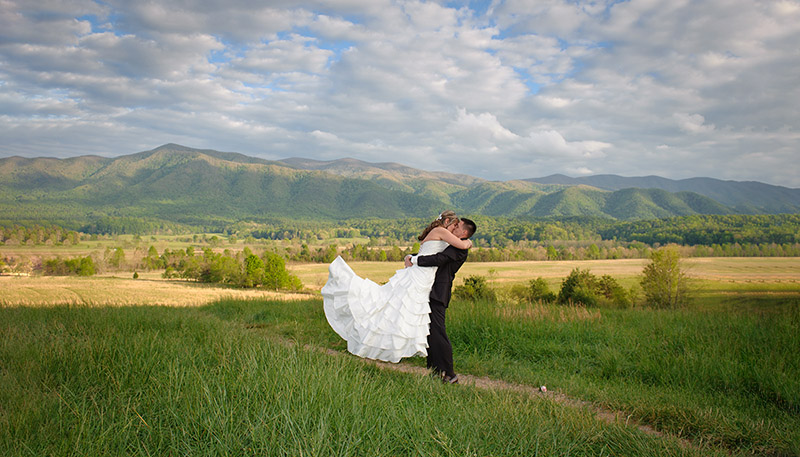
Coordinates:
(175, 188)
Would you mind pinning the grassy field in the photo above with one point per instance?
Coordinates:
(111, 290)
(188, 381)
(774, 270)
(212, 374)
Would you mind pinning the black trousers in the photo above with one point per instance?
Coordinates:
(440, 351)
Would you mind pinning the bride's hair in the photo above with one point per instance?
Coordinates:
(445, 219)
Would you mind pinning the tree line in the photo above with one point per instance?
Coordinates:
(493, 232)
(498, 239)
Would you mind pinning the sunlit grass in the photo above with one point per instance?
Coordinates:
(708, 374)
(722, 270)
(180, 381)
(711, 375)
(116, 291)
(723, 371)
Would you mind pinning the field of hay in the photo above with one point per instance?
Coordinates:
(723, 269)
(151, 289)
(147, 290)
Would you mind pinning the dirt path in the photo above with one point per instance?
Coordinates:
(604, 415)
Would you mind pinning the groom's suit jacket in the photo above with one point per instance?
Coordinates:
(448, 261)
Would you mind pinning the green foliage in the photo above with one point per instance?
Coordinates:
(243, 269)
(275, 274)
(330, 254)
(663, 282)
(254, 273)
(612, 293)
(583, 287)
(475, 288)
(115, 257)
(81, 266)
(36, 234)
(173, 188)
(710, 230)
(536, 290)
(133, 225)
(579, 287)
(153, 261)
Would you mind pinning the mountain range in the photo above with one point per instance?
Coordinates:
(186, 185)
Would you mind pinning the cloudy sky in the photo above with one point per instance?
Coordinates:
(500, 89)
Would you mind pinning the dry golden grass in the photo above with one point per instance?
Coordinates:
(150, 289)
(737, 269)
(538, 312)
(745, 269)
(116, 291)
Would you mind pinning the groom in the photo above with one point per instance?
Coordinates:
(440, 351)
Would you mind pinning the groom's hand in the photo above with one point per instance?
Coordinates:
(408, 261)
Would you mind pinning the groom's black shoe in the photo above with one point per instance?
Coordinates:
(450, 379)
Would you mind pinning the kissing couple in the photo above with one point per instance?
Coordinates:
(406, 316)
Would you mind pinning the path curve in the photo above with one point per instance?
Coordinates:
(481, 382)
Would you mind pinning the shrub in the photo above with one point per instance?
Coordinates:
(613, 293)
(583, 287)
(475, 288)
(579, 287)
(536, 290)
(81, 266)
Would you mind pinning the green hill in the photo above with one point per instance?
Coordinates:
(184, 185)
(746, 197)
(192, 186)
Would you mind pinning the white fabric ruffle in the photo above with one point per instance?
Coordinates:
(383, 322)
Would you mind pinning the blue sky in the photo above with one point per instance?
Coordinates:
(498, 89)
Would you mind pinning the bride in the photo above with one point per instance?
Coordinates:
(390, 321)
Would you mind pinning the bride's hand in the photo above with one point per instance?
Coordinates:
(469, 242)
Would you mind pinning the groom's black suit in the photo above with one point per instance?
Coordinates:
(440, 351)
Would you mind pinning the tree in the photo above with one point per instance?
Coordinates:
(118, 258)
(152, 261)
(275, 274)
(663, 282)
(253, 271)
(86, 267)
(580, 286)
(330, 254)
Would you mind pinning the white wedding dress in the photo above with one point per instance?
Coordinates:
(383, 322)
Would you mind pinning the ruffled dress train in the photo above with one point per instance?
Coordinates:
(383, 322)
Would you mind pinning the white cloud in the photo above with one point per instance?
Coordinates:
(526, 89)
(692, 123)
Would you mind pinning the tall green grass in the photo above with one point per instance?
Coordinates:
(186, 381)
(728, 378)
(726, 374)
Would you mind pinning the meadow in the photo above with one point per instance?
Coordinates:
(219, 371)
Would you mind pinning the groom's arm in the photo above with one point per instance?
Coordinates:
(450, 254)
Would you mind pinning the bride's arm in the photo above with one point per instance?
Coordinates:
(441, 233)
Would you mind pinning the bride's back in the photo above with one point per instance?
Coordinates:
(432, 247)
